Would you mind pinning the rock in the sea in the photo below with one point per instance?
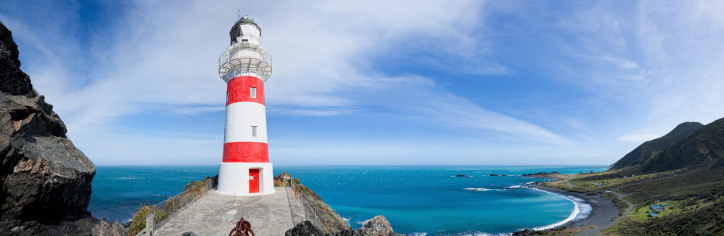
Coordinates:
(522, 232)
(377, 226)
(46, 181)
(305, 228)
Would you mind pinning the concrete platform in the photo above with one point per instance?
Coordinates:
(217, 214)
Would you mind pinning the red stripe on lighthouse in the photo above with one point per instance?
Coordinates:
(239, 90)
(246, 152)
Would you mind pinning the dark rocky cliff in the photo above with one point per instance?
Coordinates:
(46, 181)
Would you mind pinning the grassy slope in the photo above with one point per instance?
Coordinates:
(689, 176)
(649, 149)
(699, 150)
(696, 199)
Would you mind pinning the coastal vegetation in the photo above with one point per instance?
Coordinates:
(653, 147)
(675, 183)
(192, 192)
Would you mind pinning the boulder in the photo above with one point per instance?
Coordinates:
(283, 180)
(377, 226)
(46, 180)
(304, 228)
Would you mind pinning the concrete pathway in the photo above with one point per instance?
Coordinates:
(217, 214)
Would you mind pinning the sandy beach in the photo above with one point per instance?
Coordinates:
(601, 216)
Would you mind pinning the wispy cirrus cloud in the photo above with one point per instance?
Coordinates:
(162, 58)
(599, 76)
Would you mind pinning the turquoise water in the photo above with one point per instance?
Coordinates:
(414, 199)
(119, 190)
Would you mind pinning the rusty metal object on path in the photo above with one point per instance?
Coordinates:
(243, 228)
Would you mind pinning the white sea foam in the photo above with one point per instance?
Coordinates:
(346, 219)
(477, 189)
(418, 234)
(584, 209)
(580, 211)
(475, 233)
(483, 189)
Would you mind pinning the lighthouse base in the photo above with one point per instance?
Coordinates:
(245, 179)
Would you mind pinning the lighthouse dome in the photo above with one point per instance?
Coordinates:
(244, 28)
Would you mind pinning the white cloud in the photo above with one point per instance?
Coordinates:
(657, 64)
(646, 67)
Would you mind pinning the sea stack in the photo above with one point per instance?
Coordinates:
(245, 66)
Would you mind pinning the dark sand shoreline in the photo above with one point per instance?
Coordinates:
(602, 213)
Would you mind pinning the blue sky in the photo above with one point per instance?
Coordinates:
(379, 82)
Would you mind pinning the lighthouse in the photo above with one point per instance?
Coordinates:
(245, 66)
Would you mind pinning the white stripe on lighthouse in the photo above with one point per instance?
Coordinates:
(240, 117)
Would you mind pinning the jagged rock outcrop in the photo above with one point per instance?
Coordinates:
(14, 81)
(46, 181)
(283, 180)
(305, 228)
(377, 226)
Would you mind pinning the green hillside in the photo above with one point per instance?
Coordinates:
(681, 173)
(702, 149)
(688, 175)
(649, 149)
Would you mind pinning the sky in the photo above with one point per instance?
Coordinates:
(378, 82)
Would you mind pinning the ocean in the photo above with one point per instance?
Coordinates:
(420, 200)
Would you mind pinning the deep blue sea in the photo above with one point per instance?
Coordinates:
(423, 200)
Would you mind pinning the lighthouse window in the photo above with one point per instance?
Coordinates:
(253, 92)
(253, 131)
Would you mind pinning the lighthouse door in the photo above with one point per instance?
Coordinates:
(254, 180)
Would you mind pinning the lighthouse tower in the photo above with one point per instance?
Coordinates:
(245, 66)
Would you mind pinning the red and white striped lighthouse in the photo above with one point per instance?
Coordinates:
(245, 66)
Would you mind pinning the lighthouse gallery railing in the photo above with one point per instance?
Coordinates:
(245, 58)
